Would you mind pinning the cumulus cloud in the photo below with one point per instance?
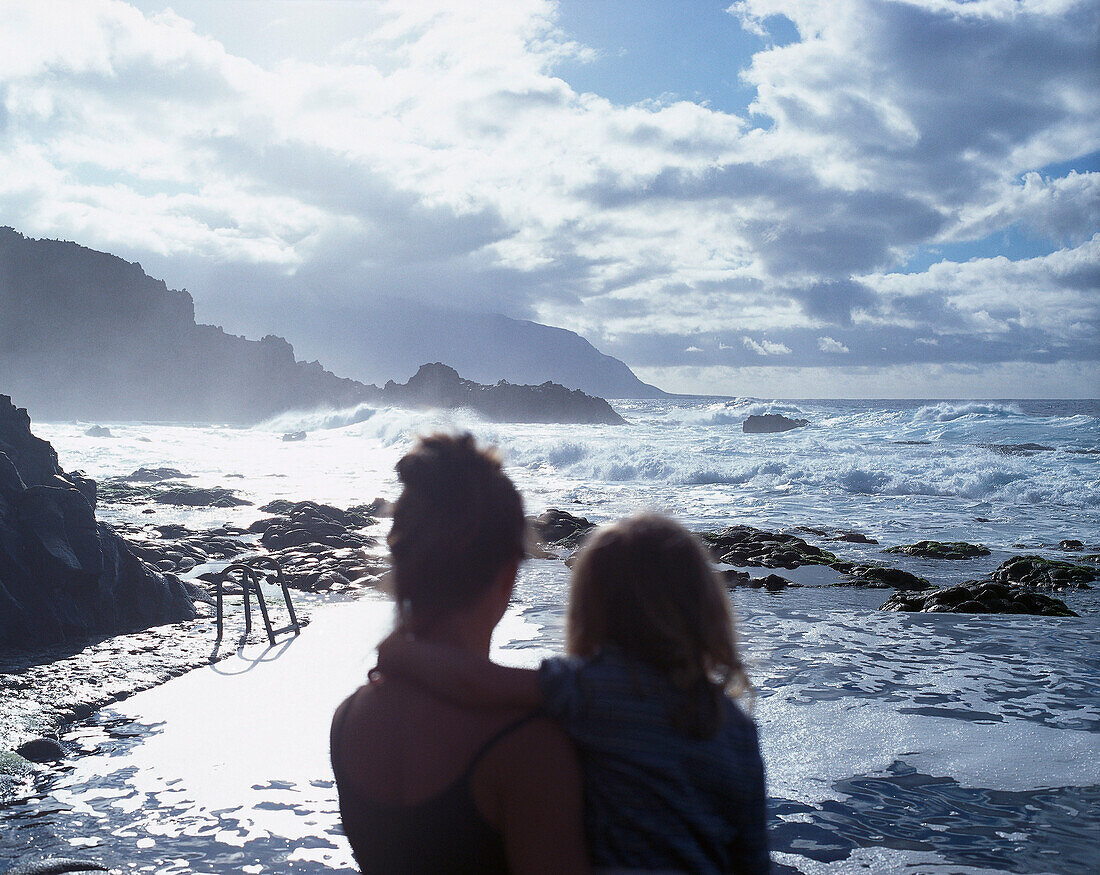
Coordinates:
(827, 344)
(766, 347)
(436, 155)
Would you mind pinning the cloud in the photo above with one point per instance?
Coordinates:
(765, 347)
(436, 155)
(827, 344)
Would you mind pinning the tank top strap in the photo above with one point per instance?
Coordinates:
(507, 729)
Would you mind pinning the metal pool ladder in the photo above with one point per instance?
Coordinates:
(250, 576)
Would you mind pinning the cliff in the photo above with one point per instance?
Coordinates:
(88, 335)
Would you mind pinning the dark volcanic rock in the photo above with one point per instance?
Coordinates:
(979, 597)
(882, 577)
(321, 548)
(98, 431)
(62, 574)
(838, 535)
(1035, 571)
(41, 750)
(1017, 449)
(155, 475)
(559, 528)
(941, 550)
(192, 496)
(744, 545)
(770, 423)
(1071, 544)
(437, 385)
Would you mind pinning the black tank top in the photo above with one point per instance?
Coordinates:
(445, 833)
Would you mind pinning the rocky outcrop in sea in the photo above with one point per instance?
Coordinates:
(437, 385)
(63, 574)
(979, 597)
(771, 423)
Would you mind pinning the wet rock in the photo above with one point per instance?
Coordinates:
(380, 507)
(979, 597)
(1017, 449)
(560, 528)
(155, 475)
(192, 496)
(64, 574)
(294, 436)
(1053, 574)
(733, 577)
(771, 582)
(838, 535)
(879, 576)
(745, 545)
(1071, 544)
(771, 423)
(56, 866)
(41, 750)
(941, 550)
(98, 431)
(320, 547)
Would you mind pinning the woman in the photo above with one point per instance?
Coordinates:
(426, 784)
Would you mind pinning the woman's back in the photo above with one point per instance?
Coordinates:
(426, 785)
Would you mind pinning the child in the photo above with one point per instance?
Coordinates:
(673, 778)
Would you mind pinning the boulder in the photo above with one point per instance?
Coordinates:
(294, 436)
(155, 475)
(41, 750)
(192, 496)
(321, 548)
(941, 550)
(99, 431)
(559, 528)
(979, 597)
(63, 574)
(1035, 571)
(771, 423)
(745, 545)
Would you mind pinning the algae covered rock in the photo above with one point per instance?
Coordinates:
(941, 550)
(1051, 574)
(979, 597)
(745, 545)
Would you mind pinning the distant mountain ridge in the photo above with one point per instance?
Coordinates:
(382, 340)
(88, 335)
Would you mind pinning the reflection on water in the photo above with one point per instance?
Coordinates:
(1044, 830)
(932, 743)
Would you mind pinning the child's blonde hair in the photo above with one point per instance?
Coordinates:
(645, 585)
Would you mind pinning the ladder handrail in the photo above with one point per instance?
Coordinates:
(250, 579)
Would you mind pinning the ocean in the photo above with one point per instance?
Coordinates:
(916, 742)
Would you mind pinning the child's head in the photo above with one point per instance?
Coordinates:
(646, 586)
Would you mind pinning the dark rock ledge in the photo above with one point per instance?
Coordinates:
(771, 423)
(941, 550)
(979, 597)
(748, 546)
(62, 574)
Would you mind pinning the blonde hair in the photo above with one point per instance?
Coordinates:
(645, 585)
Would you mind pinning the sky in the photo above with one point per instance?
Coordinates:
(790, 198)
